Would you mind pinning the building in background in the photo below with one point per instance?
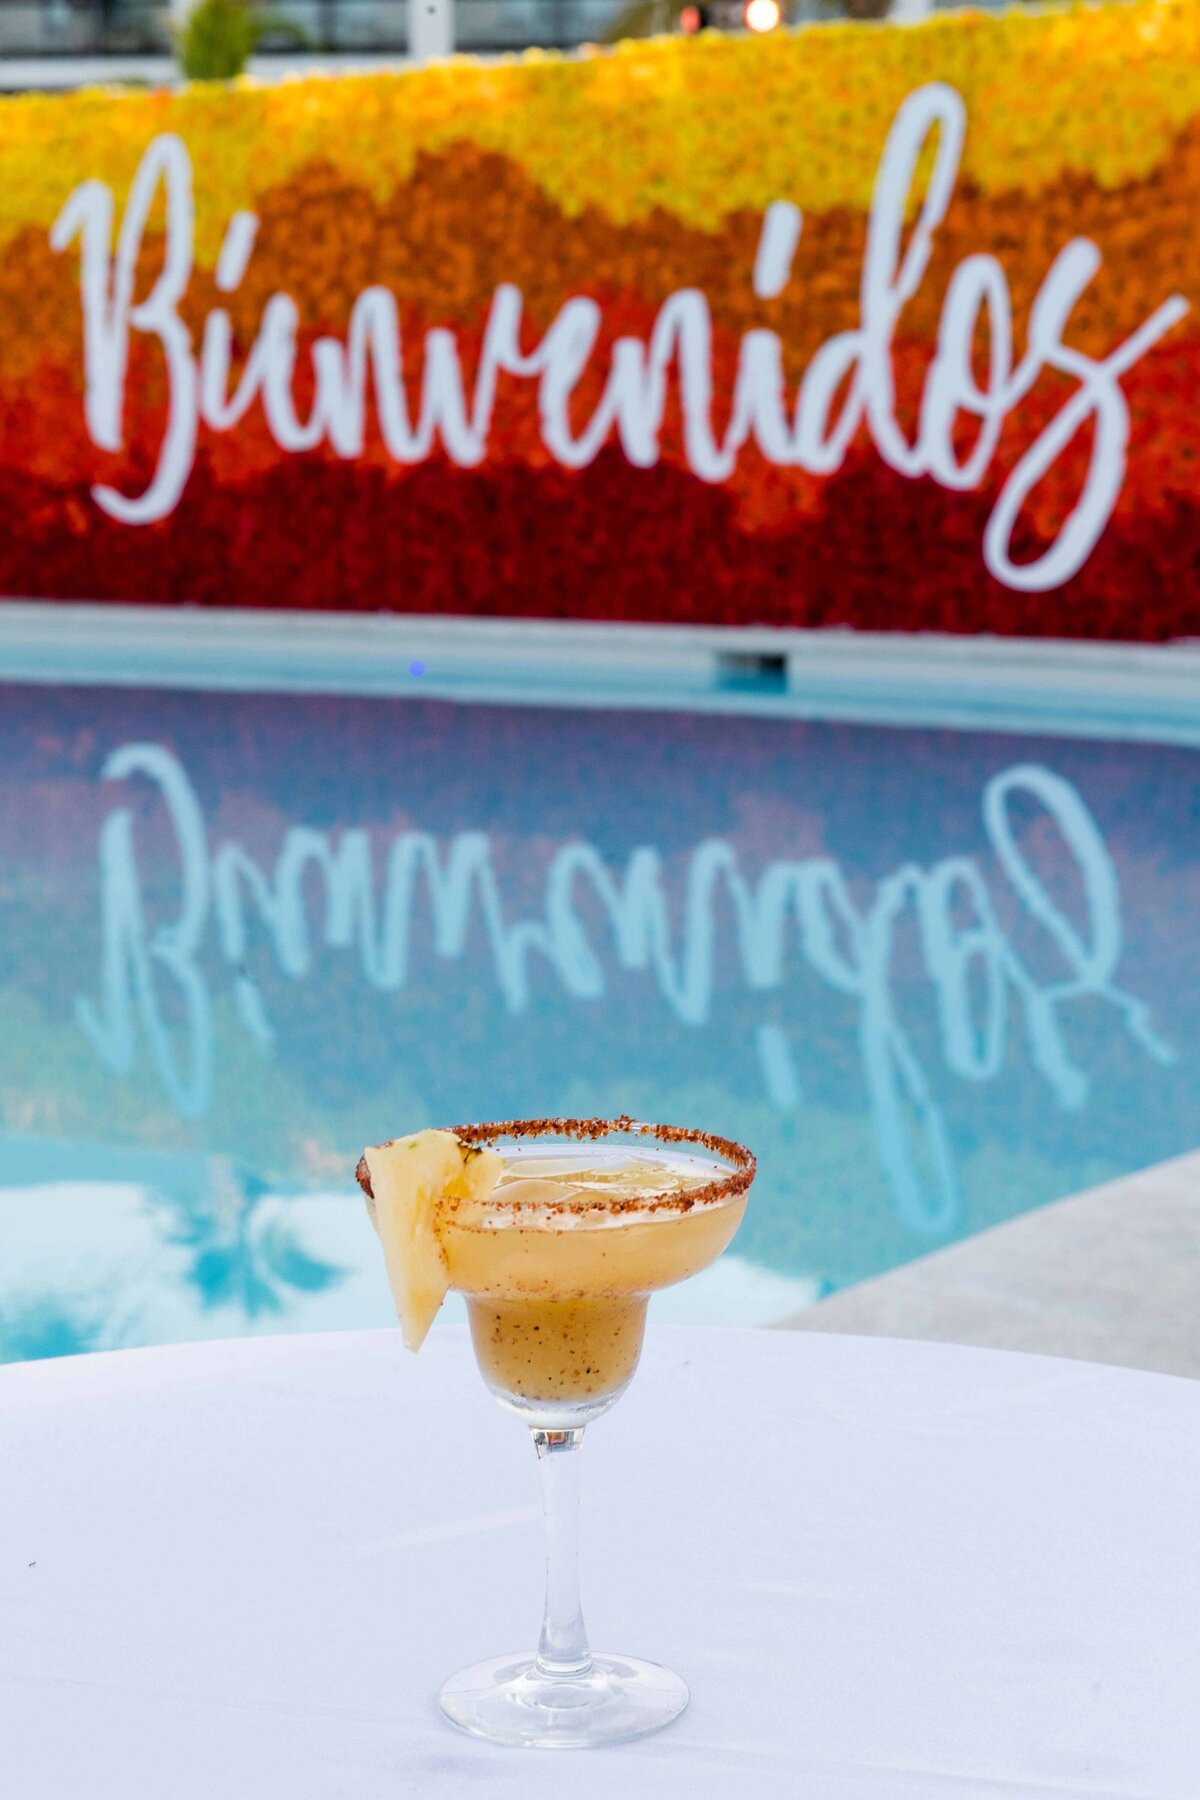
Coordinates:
(74, 28)
(124, 27)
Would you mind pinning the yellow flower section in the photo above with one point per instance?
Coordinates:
(700, 128)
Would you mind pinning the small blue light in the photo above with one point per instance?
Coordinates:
(416, 668)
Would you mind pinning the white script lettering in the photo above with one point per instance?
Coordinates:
(856, 365)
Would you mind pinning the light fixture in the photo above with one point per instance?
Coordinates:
(762, 15)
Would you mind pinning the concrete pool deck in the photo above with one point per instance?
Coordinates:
(1111, 1275)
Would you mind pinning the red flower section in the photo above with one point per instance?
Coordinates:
(609, 543)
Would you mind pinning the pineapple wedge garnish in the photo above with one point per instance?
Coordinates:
(409, 1182)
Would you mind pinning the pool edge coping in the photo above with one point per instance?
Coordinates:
(1057, 687)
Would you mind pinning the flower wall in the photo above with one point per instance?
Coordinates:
(881, 326)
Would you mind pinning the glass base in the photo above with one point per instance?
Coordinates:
(509, 1701)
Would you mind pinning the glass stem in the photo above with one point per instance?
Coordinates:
(563, 1646)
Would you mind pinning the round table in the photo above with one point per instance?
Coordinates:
(889, 1571)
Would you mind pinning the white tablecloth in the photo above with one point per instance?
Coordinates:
(238, 1571)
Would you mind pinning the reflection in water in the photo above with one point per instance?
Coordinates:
(50, 1324)
(118, 1255)
(242, 1252)
(850, 948)
(934, 977)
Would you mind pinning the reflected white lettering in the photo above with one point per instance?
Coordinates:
(794, 913)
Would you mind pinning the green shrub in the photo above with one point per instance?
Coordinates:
(220, 36)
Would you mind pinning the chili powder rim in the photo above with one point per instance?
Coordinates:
(711, 1193)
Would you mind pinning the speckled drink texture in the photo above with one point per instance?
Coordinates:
(558, 1314)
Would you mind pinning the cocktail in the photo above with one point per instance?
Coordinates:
(556, 1231)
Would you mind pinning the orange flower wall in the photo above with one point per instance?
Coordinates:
(876, 326)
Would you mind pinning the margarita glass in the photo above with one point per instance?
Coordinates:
(585, 1219)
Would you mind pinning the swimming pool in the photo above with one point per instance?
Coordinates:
(934, 973)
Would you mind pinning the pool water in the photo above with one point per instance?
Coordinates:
(933, 977)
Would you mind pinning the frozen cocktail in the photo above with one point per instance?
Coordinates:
(556, 1232)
